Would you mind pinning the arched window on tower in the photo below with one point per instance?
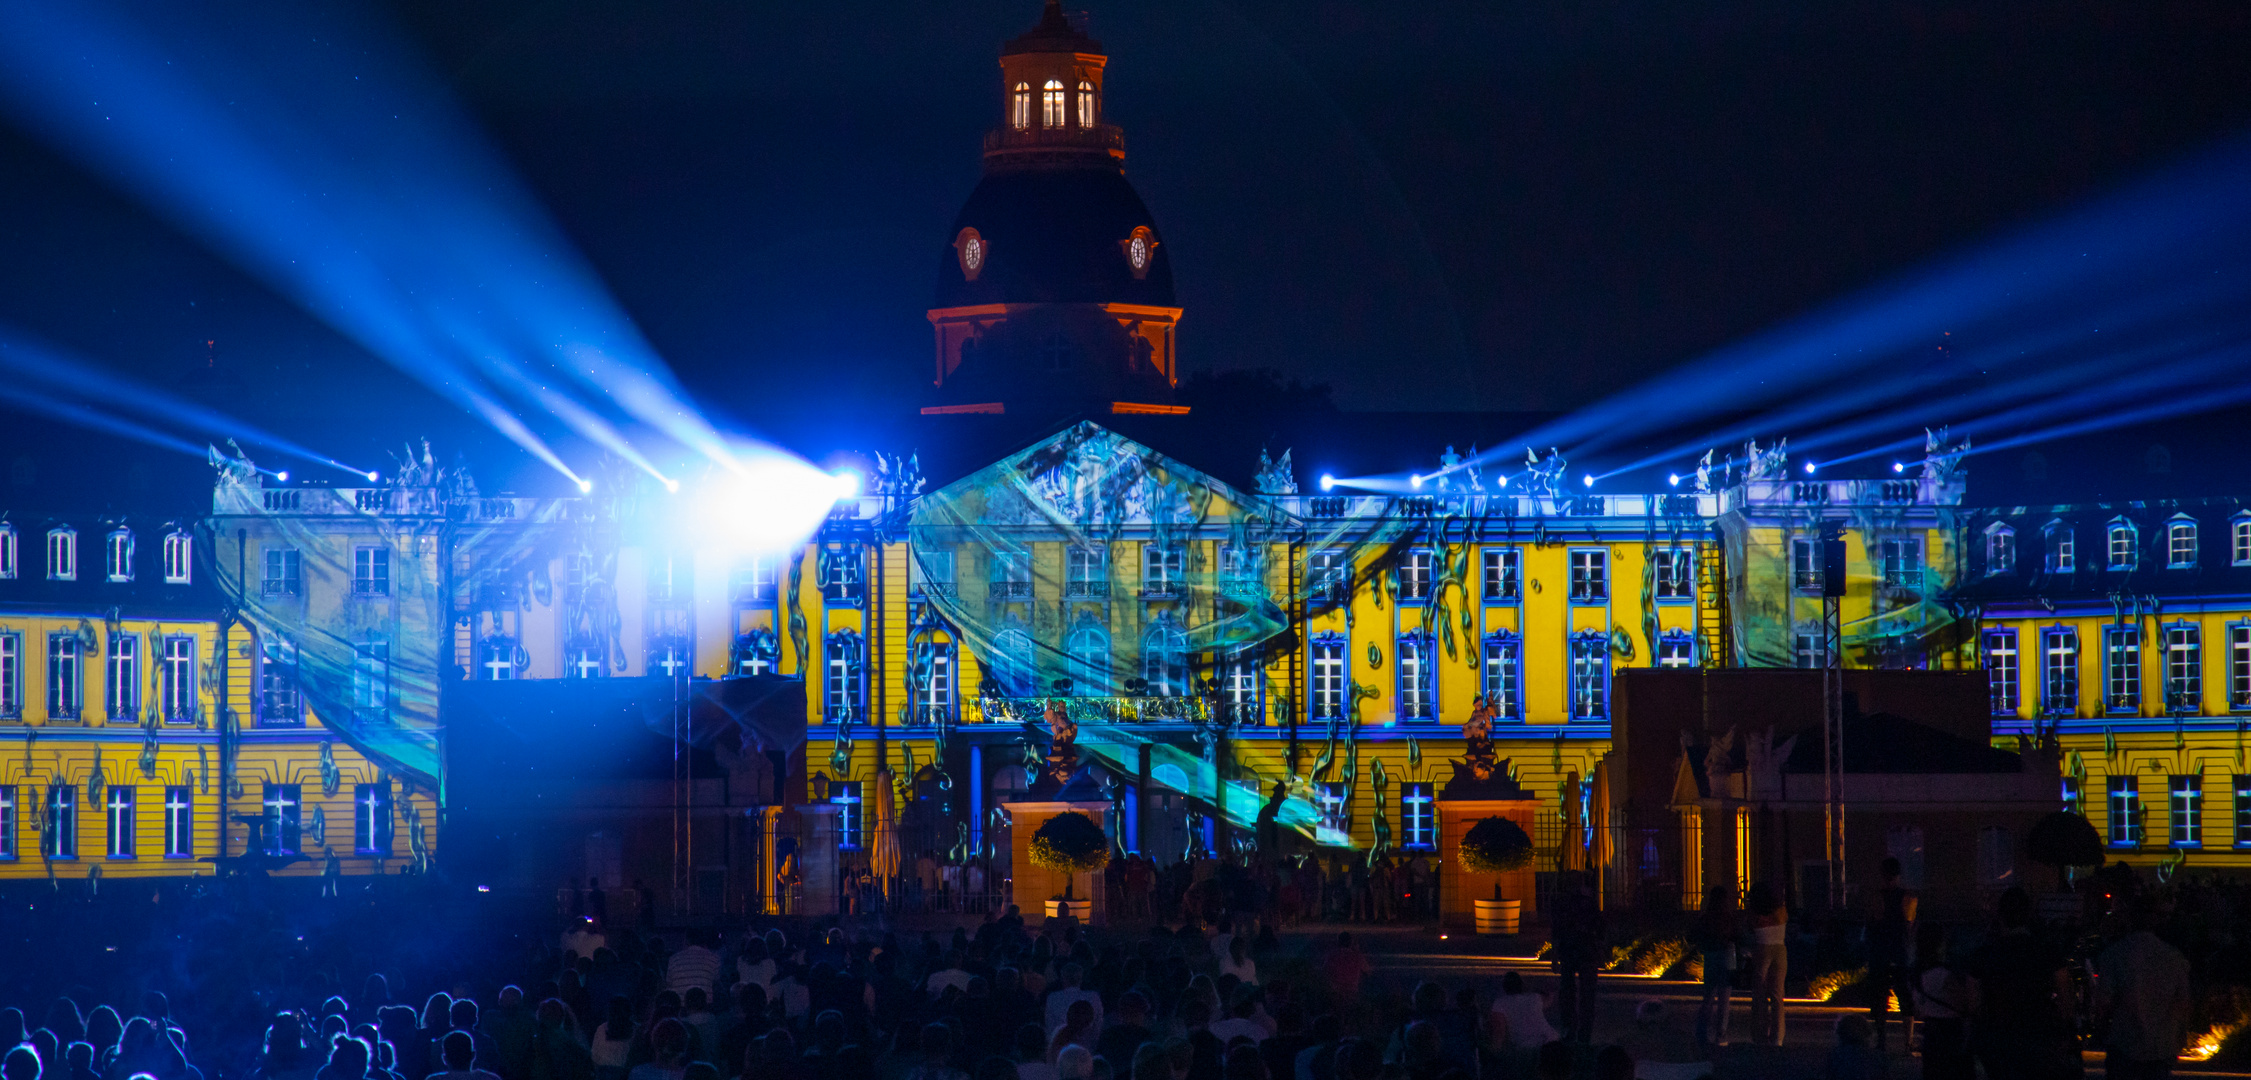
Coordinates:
(1020, 107)
(1086, 104)
(1051, 104)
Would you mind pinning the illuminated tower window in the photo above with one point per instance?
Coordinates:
(1020, 107)
(1086, 104)
(1051, 104)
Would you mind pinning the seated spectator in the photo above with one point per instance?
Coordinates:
(458, 1050)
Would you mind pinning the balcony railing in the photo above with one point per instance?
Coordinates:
(1807, 580)
(1904, 579)
(936, 588)
(278, 587)
(1009, 590)
(1104, 137)
(1161, 590)
(1113, 710)
(1086, 590)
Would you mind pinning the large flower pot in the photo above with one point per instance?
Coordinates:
(1498, 916)
(1082, 910)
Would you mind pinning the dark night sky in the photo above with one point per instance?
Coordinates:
(1514, 205)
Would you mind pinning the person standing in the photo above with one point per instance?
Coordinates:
(1718, 933)
(1770, 962)
(2141, 989)
(2022, 996)
(1942, 1005)
(1888, 936)
(1579, 950)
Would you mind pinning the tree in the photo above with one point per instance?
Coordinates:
(1070, 843)
(2064, 839)
(1494, 845)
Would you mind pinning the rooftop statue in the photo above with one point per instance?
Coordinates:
(1275, 477)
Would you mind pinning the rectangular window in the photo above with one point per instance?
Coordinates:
(2125, 812)
(843, 574)
(179, 558)
(2059, 671)
(371, 677)
(2071, 797)
(1418, 826)
(1328, 576)
(2184, 669)
(756, 581)
(1808, 652)
(1328, 679)
(2239, 667)
(1903, 563)
(2187, 804)
(1415, 698)
(1328, 798)
(933, 572)
(2180, 545)
(2122, 667)
(665, 584)
(119, 805)
(1805, 564)
(2001, 678)
(2122, 554)
(1590, 677)
(11, 675)
(179, 823)
(1504, 568)
(934, 671)
(118, 563)
(2242, 811)
(1414, 574)
(2239, 544)
(58, 835)
(1501, 673)
(65, 677)
(8, 821)
(496, 659)
(278, 699)
(121, 688)
(282, 573)
(841, 680)
(1239, 684)
(371, 571)
(1675, 574)
(1676, 650)
(668, 658)
(7, 552)
(1590, 576)
(1163, 568)
(178, 685)
(284, 819)
(846, 793)
(2000, 551)
(1086, 573)
(585, 661)
(371, 819)
(62, 555)
(2063, 551)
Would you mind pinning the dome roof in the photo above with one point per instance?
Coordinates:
(1054, 236)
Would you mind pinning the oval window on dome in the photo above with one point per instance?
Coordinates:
(971, 250)
(1140, 248)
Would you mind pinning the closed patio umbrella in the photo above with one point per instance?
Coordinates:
(1603, 846)
(1573, 849)
(884, 850)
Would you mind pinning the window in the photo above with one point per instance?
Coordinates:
(2239, 545)
(1675, 577)
(1808, 650)
(1164, 657)
(1805, 564)
(667, 577)
(1239, 570)
(179, 823)
(2184, 667)
(933, 573)
(1013, 662)
(1675, 649)
(284, 820)
(756, 653)
(120, 821)
(758, 581)
(1328, 798)
(7, 822)
(11, 675)
(1329, 576)
(371, 819)
(371, 571)
(846, 793)
(1415, 697)
(118, 555)
(177, 687)
(371, 677)
(1051, 104)
(2242, 811)
(7, 551)
(843, 573)
(934, 680)
(669, 658)
(1996, 858)
(1086, 104)
(2071, 797)
(2239, 666)
(1503, 575)
(496, 659)
(585, 660)
(2122, 664)
(179, 558)
(1011, 576)
(1418, 826)
(1590, 576)
(58, 834)
(1084, 574)
(65, 684)
(279, 702)
(1903, 562)
(1501, 672)
(1020, 106)
(2187, 804)
(1088, 648)
(2000, 549)
(2180, 544)
(840, 680)
(1328, 676)
(2001, 680)
(2063, 551)
(1239, 678)
(2125, 812)
(281, 578)
(2059, 671)
(2122, 554)
(1590, 676)
(62, 555)
(1414, 574)
(1162, 569)
(121, 690)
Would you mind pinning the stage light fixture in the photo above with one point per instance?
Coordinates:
(1899, 466)
(1589, 478)
(1415, 481)
(282, 476)
(1328, 483)
(374, 476)
(847, 483)
(1673, 480)
(585, 486)
(671, 485)
(1809, 467)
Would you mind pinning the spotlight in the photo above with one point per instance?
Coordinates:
(847, 482)
(374, 476)
(282, 476)
(1673, 479)
(1504, 481)
(1415, 482)
(1328, 483)
(1590, 479)
(1809, 468)
(585, 486)
(671, 485)
(1899, 466)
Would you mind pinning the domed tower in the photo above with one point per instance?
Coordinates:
(1054, 287)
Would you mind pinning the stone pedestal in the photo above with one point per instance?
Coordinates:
(1033, 886)
(1459, 889)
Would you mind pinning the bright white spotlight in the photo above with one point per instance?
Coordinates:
(1590, 479)
(847, 482)
(671, 485)
(1673, 479)
(1504, 481)
(585, 486)
(374, 477)
(1899, 466)
(282, 476)
(1809, 468)
(1328, 483)
(1415, 481)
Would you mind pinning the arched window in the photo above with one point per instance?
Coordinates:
(933, 681)
(1020, 107)
(119, 561)
(1012, 665)
(1089, 650)
(1086, 104)
(2000, 549)
(1051, 104)
(2180, 543)
(1164, 657)
(2122, 553)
